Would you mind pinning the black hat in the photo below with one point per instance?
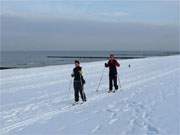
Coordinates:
(111, 55)
(77, 61)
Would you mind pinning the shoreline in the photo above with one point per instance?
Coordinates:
(5, 68)
(98, 58)
(78, 57)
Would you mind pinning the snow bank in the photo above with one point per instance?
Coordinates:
(38, 100)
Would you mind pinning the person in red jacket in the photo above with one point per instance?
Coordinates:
(112, 64)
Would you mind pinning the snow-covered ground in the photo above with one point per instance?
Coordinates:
(38, 101)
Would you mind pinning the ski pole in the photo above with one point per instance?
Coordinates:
(82, 85)
(100, 80)
(119, 81)
(70, 83)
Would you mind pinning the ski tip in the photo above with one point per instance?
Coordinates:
(111, 91)
(79, 103)
(76, 103)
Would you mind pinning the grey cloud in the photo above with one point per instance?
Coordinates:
(63, 34)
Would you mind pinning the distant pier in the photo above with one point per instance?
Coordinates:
(96, 57)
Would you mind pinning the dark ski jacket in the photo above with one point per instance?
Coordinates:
(77, 74)
(112, 64)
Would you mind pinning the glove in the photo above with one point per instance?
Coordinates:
(83, 81)
(72, 75)
(106, 65)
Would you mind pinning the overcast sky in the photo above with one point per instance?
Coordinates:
(90, 25)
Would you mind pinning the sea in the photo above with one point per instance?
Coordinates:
(27, 59)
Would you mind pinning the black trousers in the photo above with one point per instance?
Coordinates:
(78, 89)
(113, 79)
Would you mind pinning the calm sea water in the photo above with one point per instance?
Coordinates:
(25, 59)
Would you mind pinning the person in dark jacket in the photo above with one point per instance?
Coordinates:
(112, 64)
(78, 82)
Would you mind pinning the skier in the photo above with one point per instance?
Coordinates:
(78, 82)
(112, 64)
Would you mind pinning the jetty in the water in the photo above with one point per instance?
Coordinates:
(96, 57)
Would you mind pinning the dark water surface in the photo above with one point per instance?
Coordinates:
(26, 59)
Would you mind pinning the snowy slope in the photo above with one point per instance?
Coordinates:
(37, 101)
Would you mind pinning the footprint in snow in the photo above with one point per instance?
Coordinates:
(111, 106)
(152, 130)
(126, 108)
(95, 112)
(113, 115)
(112, 121)
(96, 129)
(109, 110)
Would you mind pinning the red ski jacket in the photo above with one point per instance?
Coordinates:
(112, 64)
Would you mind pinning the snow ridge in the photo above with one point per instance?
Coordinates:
(37, 100)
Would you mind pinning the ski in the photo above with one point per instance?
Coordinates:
(78, 103)
(73, 104)
(113, 91)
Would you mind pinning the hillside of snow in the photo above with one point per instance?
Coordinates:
(38, 101)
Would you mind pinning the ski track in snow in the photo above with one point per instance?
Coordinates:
(17, 116)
